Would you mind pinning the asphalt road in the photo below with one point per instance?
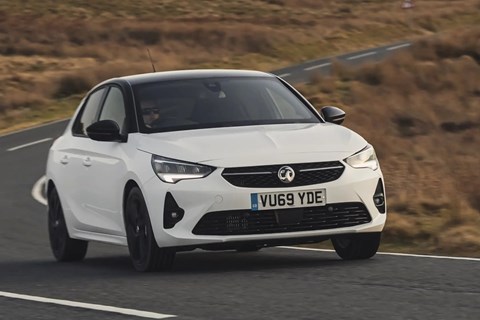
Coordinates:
(275, 283)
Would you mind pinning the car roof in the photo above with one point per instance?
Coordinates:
(189, 74)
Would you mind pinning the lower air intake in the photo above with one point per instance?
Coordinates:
(242, 222)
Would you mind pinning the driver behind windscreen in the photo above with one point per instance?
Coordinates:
(150, 112)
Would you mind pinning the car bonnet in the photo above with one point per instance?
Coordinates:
(255, 145)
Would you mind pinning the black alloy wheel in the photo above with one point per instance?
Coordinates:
(63, 247)
(144, 252)
(356, 246)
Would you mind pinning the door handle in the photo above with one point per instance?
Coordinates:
(87, 162)
(64, 160)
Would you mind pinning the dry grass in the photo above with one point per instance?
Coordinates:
(421, 110)
(51, 49)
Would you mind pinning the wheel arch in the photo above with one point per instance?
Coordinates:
(50, 187)
(126, 191)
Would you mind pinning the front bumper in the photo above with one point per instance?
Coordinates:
(213, 193)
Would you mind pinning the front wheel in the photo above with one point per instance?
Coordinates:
(144, 252)
(63, 247)
(356, 246)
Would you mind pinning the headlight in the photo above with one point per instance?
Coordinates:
(172, 171)
(365, 158)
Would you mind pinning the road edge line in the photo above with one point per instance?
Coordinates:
(400, 46)
(390, 254)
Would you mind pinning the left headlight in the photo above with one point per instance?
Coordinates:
(172, 171)
(365, 158)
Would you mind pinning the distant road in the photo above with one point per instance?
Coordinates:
(302, 72)
(275, 283)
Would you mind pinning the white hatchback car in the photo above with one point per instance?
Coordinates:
(212, 159)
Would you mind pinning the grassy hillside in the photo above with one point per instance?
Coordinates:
(52, 51)
(421, 110)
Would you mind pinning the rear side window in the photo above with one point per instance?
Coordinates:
(114, 108)
(89, 113)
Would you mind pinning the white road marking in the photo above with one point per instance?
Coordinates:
(37, 190)
(98, 307)
(318, 66)
(29, 144)
(283, 75)
(399, 46)
(391, 254)
(371, 53)
(428, 256)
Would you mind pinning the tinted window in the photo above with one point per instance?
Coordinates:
(217, 102)
(89, 113)
(114, 108)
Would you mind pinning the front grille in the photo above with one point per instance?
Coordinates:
(267, 176)
(242, 222)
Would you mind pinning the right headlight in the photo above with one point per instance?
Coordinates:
(365, 158)
(172, 171)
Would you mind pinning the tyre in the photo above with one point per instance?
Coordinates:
(145, 254)
(357, 246)
(63, 247)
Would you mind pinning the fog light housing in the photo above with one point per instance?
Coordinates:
(379, 197)
(172, 213)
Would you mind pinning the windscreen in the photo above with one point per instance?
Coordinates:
(218, 102)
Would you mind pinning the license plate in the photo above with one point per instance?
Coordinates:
(284, 200)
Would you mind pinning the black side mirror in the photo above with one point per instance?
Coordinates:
(333, 114)
(104, 130)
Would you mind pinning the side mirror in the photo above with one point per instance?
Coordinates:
(333, 114)
(104, 130)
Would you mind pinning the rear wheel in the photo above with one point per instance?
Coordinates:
(357, 246)
(63, 247)
(144, 252)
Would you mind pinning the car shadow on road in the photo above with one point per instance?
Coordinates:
(187, 263)
(231, 261)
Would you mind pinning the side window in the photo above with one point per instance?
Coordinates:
(114, 108)
(89, 113)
